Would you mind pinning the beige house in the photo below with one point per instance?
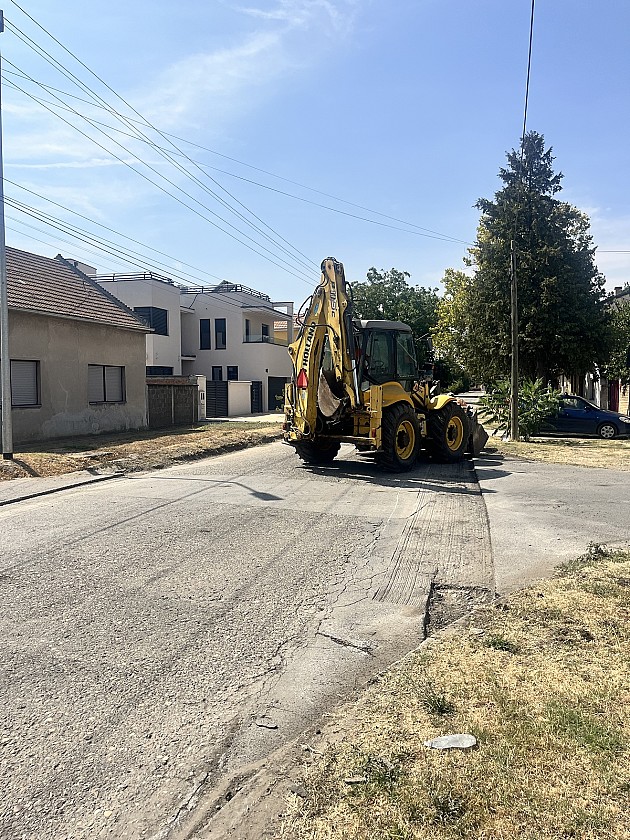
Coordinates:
(77, 353)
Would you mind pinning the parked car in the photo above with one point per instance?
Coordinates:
(578, 416)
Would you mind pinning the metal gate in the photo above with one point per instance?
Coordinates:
(216, 399)
(257, 397)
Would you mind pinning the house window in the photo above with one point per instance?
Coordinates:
(204, 334)
(106, 384)
(232, 372)
(217, 373)
(247, 329)
(264, 328)
(159, 370)
(219, 333)
(156, 318)
(24, 382)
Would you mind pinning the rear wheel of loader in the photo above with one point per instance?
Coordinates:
(320, 451)
(400, 437)
(449, 430)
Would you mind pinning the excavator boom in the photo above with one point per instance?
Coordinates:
(327, 324)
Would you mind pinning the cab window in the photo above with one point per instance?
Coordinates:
(380, 357)
(406, 356)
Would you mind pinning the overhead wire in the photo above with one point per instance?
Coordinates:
(420, 231)
(176, 198)
(75, 80)
(160, 175)
(112, 230)
(104, 246)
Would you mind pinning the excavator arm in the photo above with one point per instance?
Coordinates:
(327, 324)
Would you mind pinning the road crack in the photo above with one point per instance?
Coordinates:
(364, 647)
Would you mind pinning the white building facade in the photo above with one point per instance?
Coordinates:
(227, 333)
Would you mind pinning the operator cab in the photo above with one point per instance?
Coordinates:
(386, 353)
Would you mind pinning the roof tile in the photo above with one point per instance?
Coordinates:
(54, 287)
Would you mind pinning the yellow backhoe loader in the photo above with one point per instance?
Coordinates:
(359, 382)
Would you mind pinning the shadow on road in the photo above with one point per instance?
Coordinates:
(426, 475)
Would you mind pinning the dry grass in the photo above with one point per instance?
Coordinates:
(135, 450)
(545, 690)
(579, 452)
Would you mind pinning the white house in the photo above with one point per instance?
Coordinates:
(227, 333)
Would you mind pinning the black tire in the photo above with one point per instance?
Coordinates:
(320, 451)
(448, 433)
(400, 438)
(607, 431)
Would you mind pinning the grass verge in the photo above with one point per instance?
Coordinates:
(578, 452)
(541, 681)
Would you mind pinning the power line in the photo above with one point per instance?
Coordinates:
(164, 178)
(428, 232)
(72, 77)
(147, 269)
(176, 198)
(112, 230)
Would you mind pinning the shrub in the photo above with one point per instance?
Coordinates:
(535, 402)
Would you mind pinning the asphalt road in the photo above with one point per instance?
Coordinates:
(544, 514)
(161, 632)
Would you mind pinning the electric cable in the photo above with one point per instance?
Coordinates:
(111, 250)
(50, 59)
(430, 234)
(179, 200)
(112, 230)
(163, 177)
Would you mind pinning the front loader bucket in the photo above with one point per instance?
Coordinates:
(478, 437)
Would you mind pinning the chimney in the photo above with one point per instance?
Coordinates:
(618, 290)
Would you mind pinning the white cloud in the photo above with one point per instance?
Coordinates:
(298, 13)
(227, 82)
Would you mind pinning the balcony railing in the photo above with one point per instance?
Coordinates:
(265, 339)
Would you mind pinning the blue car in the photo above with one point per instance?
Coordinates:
(578, 416)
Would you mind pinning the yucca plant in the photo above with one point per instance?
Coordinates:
(535, 402)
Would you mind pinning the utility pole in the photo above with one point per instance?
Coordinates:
(5, 358)
(514, 321)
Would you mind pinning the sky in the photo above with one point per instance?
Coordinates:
(360, 129)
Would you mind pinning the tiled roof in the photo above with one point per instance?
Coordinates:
(54, 287)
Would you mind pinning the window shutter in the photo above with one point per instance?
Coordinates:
(24, 383)
(96, 391)
(113, 384)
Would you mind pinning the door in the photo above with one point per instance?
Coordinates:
(275, 393)
(576, 417)
(257, 397)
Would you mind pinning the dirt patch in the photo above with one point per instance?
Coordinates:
(137, 450)
(578, 452)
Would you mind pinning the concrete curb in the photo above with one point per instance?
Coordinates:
(49, 491)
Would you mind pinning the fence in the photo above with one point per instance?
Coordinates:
(172, 401)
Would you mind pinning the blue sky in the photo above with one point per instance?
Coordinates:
(405, 108)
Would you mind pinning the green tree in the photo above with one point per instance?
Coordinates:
(387, 295)
(618, 366)
(562, 318)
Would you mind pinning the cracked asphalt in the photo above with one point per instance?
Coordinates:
(163, 631)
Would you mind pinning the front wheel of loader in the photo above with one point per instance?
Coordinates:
(320, 451)
(400, 437)
(449, 431)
